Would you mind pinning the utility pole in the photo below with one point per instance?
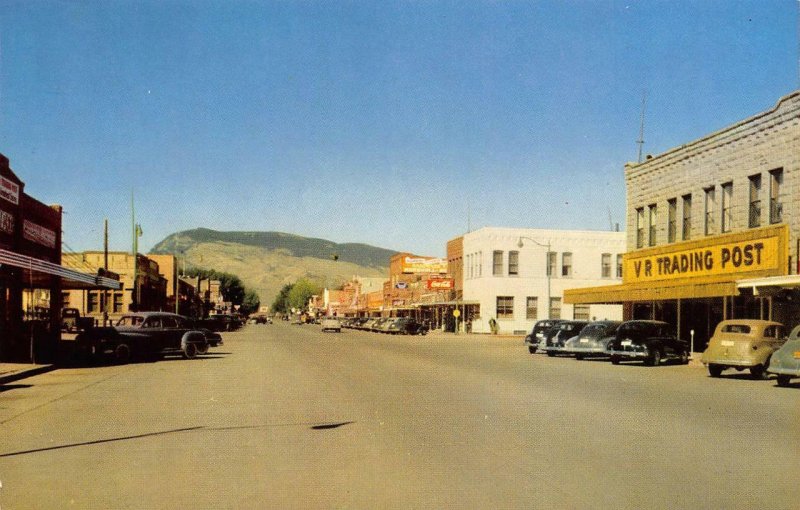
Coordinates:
(105, 268)
(640, 141)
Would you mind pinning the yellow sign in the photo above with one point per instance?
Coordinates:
(456, 313)
(424, 265)
(727, 258)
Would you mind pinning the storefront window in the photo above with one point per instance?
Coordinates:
(532, 307)
(555, 307)
(581, 312)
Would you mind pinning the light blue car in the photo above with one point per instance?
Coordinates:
(785, 362)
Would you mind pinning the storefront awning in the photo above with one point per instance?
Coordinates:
(770, 284)
(36, 269)
(618, 294)
(463, 302)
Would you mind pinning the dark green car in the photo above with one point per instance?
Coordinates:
(785, 362)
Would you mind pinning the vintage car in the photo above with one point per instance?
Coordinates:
(785, 362)
(145, 334)
(554, 343)
(743, 344)
(331, 324)
(649, 341)
(406, 326)
(593, 340)
(537, 334)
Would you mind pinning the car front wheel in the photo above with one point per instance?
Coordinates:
(783, 380)
(190, 351)
(202, 348)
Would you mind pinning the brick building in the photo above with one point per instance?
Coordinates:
(713, 231)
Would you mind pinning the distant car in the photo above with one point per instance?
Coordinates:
(649, 341)
(71, 320)
(785, 362)
(535, 337)
(144, 334)
(745, 344)
(554, 344)
(406, 326)
(593, 340)
(331, 324)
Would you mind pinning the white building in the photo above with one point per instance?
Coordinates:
(518, 276)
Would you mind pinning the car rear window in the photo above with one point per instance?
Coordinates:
(736, 328)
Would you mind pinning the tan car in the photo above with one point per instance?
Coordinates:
(743, 344)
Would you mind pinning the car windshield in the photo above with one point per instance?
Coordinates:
(130, 320)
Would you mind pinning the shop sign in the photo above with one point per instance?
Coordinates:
(717, 260)
(398, 302)
(38, 234)
(424, 265)
(9, 190)
(441, 284)
(6, 222)
(401, 285)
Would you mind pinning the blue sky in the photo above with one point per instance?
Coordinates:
(387, 123)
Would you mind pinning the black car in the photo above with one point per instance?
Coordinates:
(147, 335)
(537, 334)
(559, 334)
(407, 326)
(649, 341)
(593, 340)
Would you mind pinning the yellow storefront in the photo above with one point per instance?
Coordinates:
(696, 284)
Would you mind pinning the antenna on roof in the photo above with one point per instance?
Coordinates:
(640, 141)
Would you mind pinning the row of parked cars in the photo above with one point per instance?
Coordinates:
(147, 336)
(759, 346)
(389, 325)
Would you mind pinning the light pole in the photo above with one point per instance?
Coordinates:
(547, 265)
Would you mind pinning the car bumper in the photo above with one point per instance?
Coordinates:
(630, 354)
(795, 372)
(596, 351)
(733, 363)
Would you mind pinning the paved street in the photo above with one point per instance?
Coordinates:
(285, 416)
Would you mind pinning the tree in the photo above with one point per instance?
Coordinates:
(301, 292)
(251, 303)
(281, 303)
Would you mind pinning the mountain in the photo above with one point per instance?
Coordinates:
(266, 261)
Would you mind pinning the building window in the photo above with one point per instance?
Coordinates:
(709, 212)
(118, 302)
(775, 205)
(555, 307)
(687, 217)
(727, 198)
(640, 227)
(497, 263)
(754, 216)
(651, 238)
(672, 219)
(480, 263)
(619, 265)
(566, 264)
(505, 307)
(605, 265)
(531, 307)
(580, 312)
(513, 263)
(93, 305)
(551, 263)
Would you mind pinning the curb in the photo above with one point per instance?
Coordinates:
(22, 373)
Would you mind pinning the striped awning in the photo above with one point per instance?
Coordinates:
(73, 278)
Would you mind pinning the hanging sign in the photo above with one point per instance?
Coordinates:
(9, 190)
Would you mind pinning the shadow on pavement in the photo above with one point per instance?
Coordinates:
(7, 387)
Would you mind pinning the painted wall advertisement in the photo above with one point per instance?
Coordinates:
(424, 265)
(9, 190)
(38, 234)
(441, 284)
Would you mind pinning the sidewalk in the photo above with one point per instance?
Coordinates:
(10, 372)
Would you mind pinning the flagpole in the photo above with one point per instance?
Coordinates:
(135, 249)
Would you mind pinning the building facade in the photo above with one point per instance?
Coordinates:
(518, 276)
(713, 228)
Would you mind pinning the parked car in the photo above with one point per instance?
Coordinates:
(537, 334)
(331, 324)
(221, 322)
(406, 326)
(785, 362)
(71, 320)
(745, 344)
(593, 340)
(554, 344)
(144, 334)
(649, 341)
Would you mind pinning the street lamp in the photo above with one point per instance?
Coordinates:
(547, 266)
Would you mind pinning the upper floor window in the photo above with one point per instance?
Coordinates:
(652, 218)
(497, 263)
(775, 205)
(640, 227)
(727, 199)
(566, 264)
(709, 212)
(513, 263)
(672, 219)
(754, 210)
(686, 232)
(619, 265)
(551, 263)
(605, 265)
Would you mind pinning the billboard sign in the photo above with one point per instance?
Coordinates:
(441, 284)
(424, 265)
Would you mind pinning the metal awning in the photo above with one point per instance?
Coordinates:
(630, 292)
(771, 283)
(35, 269)
(462, 302)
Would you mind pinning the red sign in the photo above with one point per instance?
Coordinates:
(441, 284)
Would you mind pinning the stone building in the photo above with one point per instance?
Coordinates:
(713, 231)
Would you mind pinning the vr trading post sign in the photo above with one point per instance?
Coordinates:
(762, 255)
